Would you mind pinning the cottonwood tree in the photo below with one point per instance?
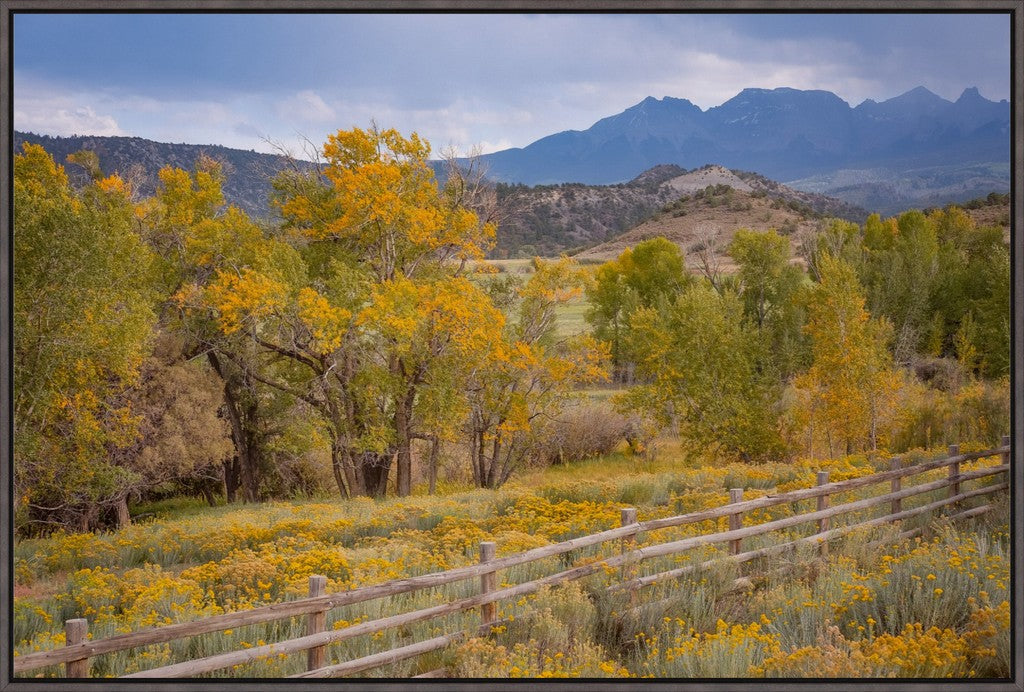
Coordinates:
(370, 329)
(850, 386)
(83, 315)
(899, 271)
(528, 374)
(639, 277)
(196, 238)
(769, 288)
(701, 364)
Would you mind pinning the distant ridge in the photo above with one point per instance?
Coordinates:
(248, 172)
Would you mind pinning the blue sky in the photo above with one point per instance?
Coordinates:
(463, 81)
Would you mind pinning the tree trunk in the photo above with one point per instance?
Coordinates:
(435, 448)
(403, 443)
(208, 495)
(492, 472)
(251, 459)
(480, 460)
(376, 468)
(474, 459)
(124, 518)
(337, 457)
(88, 518)
(241, 435)
(231, 472)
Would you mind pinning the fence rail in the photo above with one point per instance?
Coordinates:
(76, 654)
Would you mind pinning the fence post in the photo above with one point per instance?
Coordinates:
(75, 632)
(896, 485)
(488, 549)
(823, 504)
(1005, 455)
(627, 516)
(954, 472)
(735, 520)
(316, 623)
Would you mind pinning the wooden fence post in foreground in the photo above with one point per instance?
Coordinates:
(316, 623)
(735, 520)
(488, 549)
(1005, 455)
(954, 471)
(628, 571)
(823, 504)
(895, 485)
(75, 632)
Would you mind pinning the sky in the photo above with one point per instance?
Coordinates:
(464, 82)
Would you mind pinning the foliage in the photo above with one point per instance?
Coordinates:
(528, 375)
(770, 288)
(928, 273)
(640, 277)
(701, 364)
(83, 312)
(848, 391)
(377, 321)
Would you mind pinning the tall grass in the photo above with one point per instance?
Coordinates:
(873, 595)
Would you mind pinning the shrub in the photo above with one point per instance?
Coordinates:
(551, 638)
(679, 651)
(581, 432)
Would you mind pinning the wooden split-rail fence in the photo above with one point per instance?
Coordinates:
(79, 649)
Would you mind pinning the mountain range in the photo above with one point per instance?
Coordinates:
(915, 148)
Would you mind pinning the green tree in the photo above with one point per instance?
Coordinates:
(700, 359)
(639, 277)
(83, 315)
(899, 276)
(993, 308)
(973, 278)
(770, 286)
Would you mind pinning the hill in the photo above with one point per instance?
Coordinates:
(549, 219)
(711, 204)
(248, 172)
(542, 220)
(714, 203)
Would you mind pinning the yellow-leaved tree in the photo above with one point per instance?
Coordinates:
(83, 315)
(373, 329)
(849, 390)
(219, 271)
(529, 374)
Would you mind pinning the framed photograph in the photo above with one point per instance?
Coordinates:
(463, 345)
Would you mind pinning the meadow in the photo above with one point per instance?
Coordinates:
(876, 606)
